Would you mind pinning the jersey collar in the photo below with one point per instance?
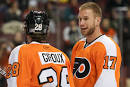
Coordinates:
(34, 42)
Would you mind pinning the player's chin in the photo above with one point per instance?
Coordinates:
(83, 33)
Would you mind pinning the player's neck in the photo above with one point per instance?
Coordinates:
(93, 36)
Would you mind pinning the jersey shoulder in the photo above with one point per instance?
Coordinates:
(79, 43)
(14, 54)
(108, 44)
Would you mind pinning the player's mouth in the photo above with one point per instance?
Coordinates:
(84, 29)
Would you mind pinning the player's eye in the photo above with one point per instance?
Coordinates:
(85, 18)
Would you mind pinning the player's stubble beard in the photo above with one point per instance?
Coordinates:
(91, 30)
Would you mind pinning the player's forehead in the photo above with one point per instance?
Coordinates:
(85, 13)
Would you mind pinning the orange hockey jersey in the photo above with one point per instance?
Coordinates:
(38, 65)
(96, 65)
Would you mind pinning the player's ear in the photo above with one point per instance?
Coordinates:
(98, 20)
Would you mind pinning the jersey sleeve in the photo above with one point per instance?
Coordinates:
(20, 68)
(105, 63)
(13, 59)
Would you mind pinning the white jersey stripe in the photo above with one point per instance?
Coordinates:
(107, 77)
(13, 58)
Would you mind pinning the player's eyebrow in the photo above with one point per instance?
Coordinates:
(82, 17)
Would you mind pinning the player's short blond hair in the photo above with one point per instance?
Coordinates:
(93, 6)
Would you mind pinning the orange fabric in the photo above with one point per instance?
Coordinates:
(81, 51)
(95, 55)
(117, 71)
(30, 65)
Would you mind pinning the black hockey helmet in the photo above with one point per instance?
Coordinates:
(36, 22)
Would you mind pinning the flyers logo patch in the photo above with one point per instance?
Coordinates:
(81, 68)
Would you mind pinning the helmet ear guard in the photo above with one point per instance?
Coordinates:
(36, 22)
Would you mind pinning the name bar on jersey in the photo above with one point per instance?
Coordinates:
(52, 57)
